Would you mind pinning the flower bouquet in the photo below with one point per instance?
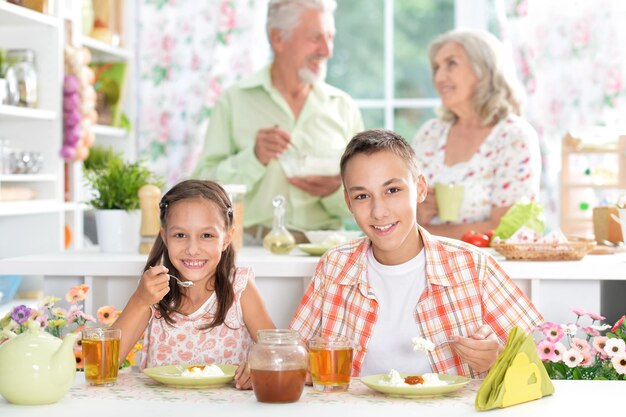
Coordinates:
(593, 356)
(59, 321)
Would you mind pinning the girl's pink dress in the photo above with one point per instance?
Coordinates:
(183, 343)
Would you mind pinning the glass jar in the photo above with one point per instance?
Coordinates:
(278, 364)
(21, 78)
(279, 240)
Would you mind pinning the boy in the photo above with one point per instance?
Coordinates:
(400, 282)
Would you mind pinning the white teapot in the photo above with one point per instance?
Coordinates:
(36, 367)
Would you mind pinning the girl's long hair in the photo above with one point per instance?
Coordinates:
(188, 190)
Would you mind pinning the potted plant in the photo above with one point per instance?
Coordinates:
(115, 199)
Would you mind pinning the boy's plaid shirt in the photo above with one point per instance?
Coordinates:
(465, 289)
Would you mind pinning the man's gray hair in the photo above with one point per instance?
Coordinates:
(498, 91)
(284, 15)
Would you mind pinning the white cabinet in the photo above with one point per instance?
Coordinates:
(37, 225)
(34, 225)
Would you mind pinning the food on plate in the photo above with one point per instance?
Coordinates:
(413, 379)
(394, 379)
(421, 344)
(477, 239)
(201, 371)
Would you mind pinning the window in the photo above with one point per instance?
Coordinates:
(381, 56)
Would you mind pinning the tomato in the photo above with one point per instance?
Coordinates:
(477, 239)
(489, 234)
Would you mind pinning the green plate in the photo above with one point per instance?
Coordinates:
(455, 382)
(313, 249)
(172, 375)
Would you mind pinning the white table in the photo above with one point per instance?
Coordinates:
(553, 286)
(136, 395)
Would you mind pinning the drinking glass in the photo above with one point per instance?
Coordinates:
(449, 199)
(331, 363)
(101, 355)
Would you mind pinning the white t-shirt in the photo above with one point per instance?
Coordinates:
(397, 289)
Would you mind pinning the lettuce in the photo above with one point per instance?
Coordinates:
(524, 213)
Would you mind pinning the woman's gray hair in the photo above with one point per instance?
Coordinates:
(284, 15)
(498, 92)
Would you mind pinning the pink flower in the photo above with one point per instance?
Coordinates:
(579, 311)
(590, 331)
(546, 351)
(587, 359)
(580, 345)
(619, 363)
(553, 332)
(599, 342)
(618, 324)
(572, 358)
(595, 316)
(559, 348)
(615, 347)
(77, 293)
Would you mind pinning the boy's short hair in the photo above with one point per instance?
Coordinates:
(377, 140)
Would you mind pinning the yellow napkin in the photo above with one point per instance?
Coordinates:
(517, 376)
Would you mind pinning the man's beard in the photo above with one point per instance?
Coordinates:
(308, 76)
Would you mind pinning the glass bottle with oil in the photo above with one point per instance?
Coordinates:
(279, 241)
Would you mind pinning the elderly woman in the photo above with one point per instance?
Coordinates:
(479, 140)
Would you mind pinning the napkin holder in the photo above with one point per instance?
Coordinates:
(518, 375)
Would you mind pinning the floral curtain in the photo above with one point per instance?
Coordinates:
(188, 52)
(571, 55)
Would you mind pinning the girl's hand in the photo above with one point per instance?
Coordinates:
(427, 209)
(242, 377)
(153, 286)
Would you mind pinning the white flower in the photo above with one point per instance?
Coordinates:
(619, 363)
(421, 344)
(572, 358)
(601, 328)
(569, 329)
(615, 347)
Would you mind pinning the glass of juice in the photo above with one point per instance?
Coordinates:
(101, 355)
(331, 363)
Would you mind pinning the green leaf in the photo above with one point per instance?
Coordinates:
(118, 182)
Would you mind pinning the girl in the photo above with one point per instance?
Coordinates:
(216, 319)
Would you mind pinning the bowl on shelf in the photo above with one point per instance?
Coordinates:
(332, 237)
(8, 287)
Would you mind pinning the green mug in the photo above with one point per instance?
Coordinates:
(449, 198)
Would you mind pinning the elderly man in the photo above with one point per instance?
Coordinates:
(283, 130)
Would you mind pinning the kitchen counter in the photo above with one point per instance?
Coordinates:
(136, 394)
(283, 278)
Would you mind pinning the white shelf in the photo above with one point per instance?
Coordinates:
(16, 208)
(26, 112)
(104, 51)
(12, 15)
(109, 131)
(28, 178)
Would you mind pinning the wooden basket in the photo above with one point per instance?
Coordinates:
(568, 251)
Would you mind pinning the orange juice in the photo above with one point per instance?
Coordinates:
(101, 359)
(331, 368)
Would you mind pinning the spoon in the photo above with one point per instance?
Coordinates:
(181, 283)
(185, 284)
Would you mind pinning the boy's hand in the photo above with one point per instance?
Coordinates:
(153, 286)
(480, 350)
(242, 377)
